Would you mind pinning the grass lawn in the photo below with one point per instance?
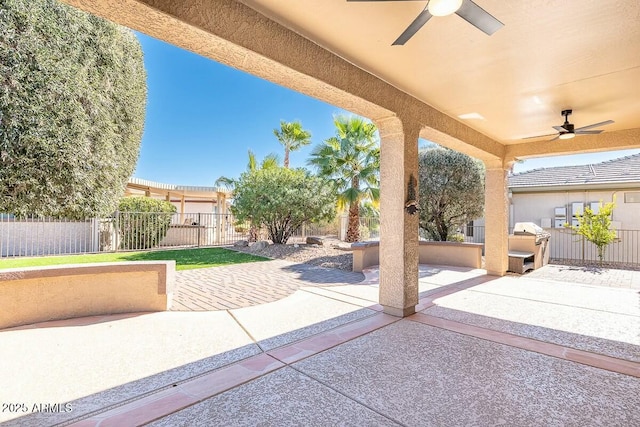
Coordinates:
(186, 259)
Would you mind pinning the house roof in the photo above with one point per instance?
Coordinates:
(186, 190)
(625, 170)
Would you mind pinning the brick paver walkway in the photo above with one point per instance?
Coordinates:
(614, 278)
(244, 285)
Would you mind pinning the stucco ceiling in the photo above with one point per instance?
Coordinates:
(549, 56)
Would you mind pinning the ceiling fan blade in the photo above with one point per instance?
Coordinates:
(413, 27)
(478, 17)
(607, 122)
(588, 132)
(559, 128)
(538, 136)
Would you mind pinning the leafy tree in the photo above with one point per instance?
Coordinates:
(596, 227)
(351, 161)
(72, 105)
(269, 162)
(282, 200)
(451, 187)
(292, 137)
(143, 222)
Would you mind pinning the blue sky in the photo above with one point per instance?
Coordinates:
(203, 116)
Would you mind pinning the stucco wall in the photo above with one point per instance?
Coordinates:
(366, 254)
(532, 207)
(38, 294)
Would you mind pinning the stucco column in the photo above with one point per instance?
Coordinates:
(398, 230)
(496, 205)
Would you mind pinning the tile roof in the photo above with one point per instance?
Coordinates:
(622, 170)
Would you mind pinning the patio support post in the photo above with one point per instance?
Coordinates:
(496, 204)
(398, 229)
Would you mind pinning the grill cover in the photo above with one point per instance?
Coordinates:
(530, 229)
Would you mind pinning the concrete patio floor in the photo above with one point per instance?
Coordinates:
(481, 351)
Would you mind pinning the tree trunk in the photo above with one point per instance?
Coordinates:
(286, 158)
(353, 229)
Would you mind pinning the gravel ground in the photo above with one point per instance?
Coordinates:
(595, 265)
(333, 253)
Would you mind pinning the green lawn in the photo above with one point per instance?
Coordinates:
(186, 259)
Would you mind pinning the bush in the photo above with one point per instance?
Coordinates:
(143, 222)
(281, 200)
(72, 107)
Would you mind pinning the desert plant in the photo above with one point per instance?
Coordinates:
(596, 227)
(351, 161)
(292, 137)
(143, 222)
(282, 200)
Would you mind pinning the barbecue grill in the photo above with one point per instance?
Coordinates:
(528, 247)
(531, 229)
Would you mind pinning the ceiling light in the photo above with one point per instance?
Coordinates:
(567, 135)
(443, 7)
(471, 116)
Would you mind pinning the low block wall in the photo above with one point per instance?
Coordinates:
(456, 254)
(39, 294)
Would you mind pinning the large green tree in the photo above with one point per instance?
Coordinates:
(351, 160)
(72, 105)
(451, 187)
(292, 137)
(281, 200)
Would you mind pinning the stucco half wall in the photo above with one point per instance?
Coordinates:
(38, 294)
(456, 254)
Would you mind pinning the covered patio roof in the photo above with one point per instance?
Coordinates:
(549, 56)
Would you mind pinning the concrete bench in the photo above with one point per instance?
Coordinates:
(39, 294)
(366, 254)
(520, 261)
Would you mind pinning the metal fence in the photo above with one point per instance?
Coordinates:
(566, 246)
(124, 231)
(134, 231)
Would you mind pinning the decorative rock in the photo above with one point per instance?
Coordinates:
(314, 241)
(258, 246)
(241, 243)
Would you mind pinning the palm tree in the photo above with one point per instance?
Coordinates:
(293, 137)
(270, 161)
(351, 160)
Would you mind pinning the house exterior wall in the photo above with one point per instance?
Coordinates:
(532, 207)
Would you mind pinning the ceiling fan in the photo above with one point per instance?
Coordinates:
(466, 9)
(568, 130)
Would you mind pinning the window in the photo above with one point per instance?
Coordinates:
(470, 229)
(632, 197)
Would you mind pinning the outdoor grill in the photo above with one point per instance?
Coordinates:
(531, 229)
(528, 247)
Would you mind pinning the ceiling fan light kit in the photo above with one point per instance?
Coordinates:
(443, 7)
(566, 135)
(465, 9)
(568, 130)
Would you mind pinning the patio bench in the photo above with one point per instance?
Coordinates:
(520, 261)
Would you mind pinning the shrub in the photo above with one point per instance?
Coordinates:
(281, 200)
(72, 106)
(143, 222)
